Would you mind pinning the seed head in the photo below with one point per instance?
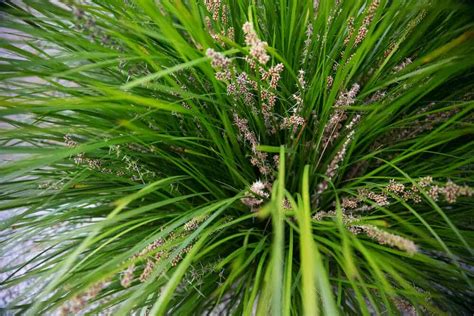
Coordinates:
(257, 47)
(386, 238)
(218, 60)
(258, 188)
(395, 187)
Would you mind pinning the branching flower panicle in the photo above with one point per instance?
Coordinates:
(373, 232)
(257, 47)
(273, 74)
(258, 193)
(334, 164)
(364, 28)
(307, 42)
(334, 124)
(259, 159)
(221, 63)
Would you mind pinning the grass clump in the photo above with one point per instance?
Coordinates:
(237, 157)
